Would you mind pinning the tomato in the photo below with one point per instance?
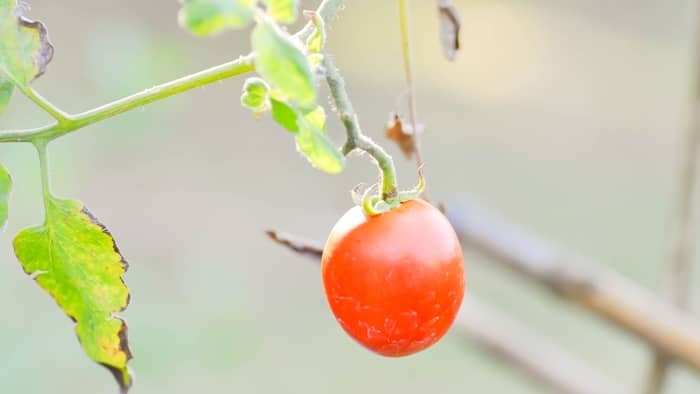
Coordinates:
(394, 281)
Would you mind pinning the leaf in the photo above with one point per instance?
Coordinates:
(255, 94)
(317, 40)
(402, 134)
(5, 189)
(75, 259)
(288, 117)
(283, 11)
(284, 115)
(281, 61)
(25, 50)
(6, 88)
(209, 17)
(450, 25)
(316, 118)
(318, 148)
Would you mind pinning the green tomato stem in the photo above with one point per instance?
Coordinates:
(41, 149)
(60, 116)
(75, 122)
(356, 139)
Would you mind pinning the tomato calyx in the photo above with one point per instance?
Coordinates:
(374, 203)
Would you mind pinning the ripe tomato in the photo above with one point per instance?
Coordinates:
(394, 281)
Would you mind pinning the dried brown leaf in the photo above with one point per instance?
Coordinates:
(450, 25)
(402, 134)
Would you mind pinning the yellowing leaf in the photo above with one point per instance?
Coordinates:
(282, 62)
(317, 40)
(283, 11)
(6, 88)
(5, 188)
(25, 50)
(208, 17)
(318, 148)
(75, 259)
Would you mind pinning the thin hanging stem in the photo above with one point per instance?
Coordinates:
(408, 70)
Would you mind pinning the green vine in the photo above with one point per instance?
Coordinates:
(72, 245)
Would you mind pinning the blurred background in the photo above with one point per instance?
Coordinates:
(567, 117)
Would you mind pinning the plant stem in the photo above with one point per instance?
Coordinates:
(60, 116)
(408, 69)
(327, 10)
(355, 138)
(74, 122)
(66, 123)
(41, 150)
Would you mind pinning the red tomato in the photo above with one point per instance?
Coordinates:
(394, 281)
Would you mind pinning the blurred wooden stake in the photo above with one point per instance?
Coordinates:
(678, 273)
(508, 340)
(660, 324)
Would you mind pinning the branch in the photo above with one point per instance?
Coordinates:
(66, 123)
(60, 116)
(355, 138)
(503, 338)
(159, 92)
(661, 325)
(508, 340)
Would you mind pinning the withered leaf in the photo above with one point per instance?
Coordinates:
(450, 25)
(402, 134)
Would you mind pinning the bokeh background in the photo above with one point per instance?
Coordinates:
(565, 116)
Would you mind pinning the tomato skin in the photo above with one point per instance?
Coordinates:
(394, 281)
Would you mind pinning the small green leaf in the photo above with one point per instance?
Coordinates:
(255, 94)
(281, 60)
(316, 118)
(208, 17)
(318, 148)
(75, 259)
(25, 50)
(283, 11)
(317, 40)
(284, 115)
(288, 117)
(6, 88)
(5, 189)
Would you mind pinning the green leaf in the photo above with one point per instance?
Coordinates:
(283, 11)
(281, 60)
(208, 17)
(5, 189)
(288, 117)
(25, 50)
(255, 94)
(75, 259)
(285, 115)
(317, 40)
(6, 88)
(318, 148)
(316, 118)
